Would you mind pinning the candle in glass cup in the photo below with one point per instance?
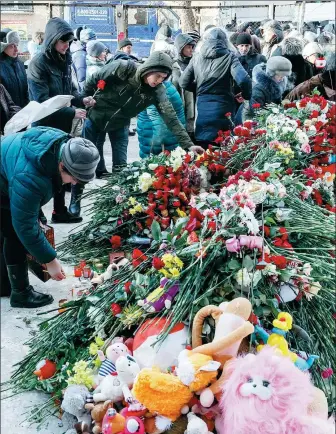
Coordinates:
(78, 271)
(86, 272)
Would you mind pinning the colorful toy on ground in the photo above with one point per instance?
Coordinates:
(45, 369)
(161, 298)
(277, 339)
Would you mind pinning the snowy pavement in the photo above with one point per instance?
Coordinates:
(18, 326)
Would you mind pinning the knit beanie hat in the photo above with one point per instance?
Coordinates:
(243, 39)
(124, 42)
(195, 35)
(80, 157)
(95, 48)
(278, 65)
(157, 62)
(312, 48)
(87, 34)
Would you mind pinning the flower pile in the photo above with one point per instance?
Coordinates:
(253, 216)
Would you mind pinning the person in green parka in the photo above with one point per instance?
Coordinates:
(34, 165)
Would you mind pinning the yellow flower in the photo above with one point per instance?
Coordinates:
(132, 200)
(168, 259)
(93, 349)
(138, 208)
(132, 211)
(178, 262)
(97, 362)
(174, 272)
(164, 272)
(181, 213)
(99, 341)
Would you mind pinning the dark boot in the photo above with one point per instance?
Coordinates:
(23, 294)
(64, 217)
(102, 173)
(5, 287)
(76, 195)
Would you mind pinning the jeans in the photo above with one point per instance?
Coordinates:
(118, 139)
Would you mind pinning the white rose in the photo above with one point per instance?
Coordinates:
(145, 182)
(152, 166)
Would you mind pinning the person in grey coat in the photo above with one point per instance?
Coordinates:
(273, 35)
(213, 70)
(78, 53)
(248, 57)
(185, 45)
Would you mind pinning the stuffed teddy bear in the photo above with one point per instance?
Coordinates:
(74, 401)
(267, 394)
(232, 326)
(113, 352)
(98, 412)
(116, 387)
(167, 395)
(98, 279)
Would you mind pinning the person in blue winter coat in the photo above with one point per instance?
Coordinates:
(12, 71)
(34, 164)
(153, 134)
(78, 53)
(213, 69)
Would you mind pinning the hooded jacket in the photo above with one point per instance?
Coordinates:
(13, 76)
(213, 69)
(7, 107)
(93, 65)
(119, 54)
(49, 74)
(29, 167)
(188, 98)
(301, 69)
(126, 95)
(163, 40)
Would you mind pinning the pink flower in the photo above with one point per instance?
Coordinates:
(327, 373)
(251, 242)
(208, 213)
(306, 148)
(232, 245)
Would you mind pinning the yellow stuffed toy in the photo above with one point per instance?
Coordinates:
(167, 395)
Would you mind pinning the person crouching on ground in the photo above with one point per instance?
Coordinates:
(34, 164)
(129, 89)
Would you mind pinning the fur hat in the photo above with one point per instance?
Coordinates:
(312, 48)
(244, 39)
(278, 65)
(292, 46)
(11, 38)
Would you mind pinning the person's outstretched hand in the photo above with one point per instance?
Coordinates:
(197, 149)
(55, 270)
(89, 101)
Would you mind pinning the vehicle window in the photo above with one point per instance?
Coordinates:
(138, 17)
(167, 16)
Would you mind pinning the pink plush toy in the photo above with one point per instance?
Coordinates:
(268, 394)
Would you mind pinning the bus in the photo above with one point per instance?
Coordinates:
(141, 23)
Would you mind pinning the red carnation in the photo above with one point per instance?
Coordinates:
(127, 287)
(289, 171)
(317, 197)
(101, 84)
(327, 373)
(115, 309)
(267, 231)
(279, 261)
(115, 241)
(228, 114)
(256, 105)
(157, 263)
(138, 257)
(284, 233)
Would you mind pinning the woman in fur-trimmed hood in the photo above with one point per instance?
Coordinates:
(301, 69)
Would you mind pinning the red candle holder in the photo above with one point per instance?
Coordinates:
(78, 271)
(86, 272)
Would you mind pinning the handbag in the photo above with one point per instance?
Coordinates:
(40, 270)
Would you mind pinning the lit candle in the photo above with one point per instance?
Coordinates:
(77, 271)
(86, 272)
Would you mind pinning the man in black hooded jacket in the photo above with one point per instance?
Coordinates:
(49, 74)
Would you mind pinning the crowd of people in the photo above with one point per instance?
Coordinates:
(181, 95)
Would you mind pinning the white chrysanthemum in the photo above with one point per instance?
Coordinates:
(243, 278)
(145, 182)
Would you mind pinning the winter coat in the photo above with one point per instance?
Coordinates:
(78, 54)
(29, 170)
(13, 76)
(152, 131)
(7, 107)
(49, 75)
(325, 83)
(126, 95)
(265, 90)
(188, 98)
(93, 65)
(250, 60)
(213, 69)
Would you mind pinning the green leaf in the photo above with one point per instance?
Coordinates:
(233, 264)
(262, 298)
(180, 242)
(156, 231)
(248, 263)
(190, 250)
(270, 220)
(180, 223)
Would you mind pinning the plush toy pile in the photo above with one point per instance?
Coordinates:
(211, 299)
